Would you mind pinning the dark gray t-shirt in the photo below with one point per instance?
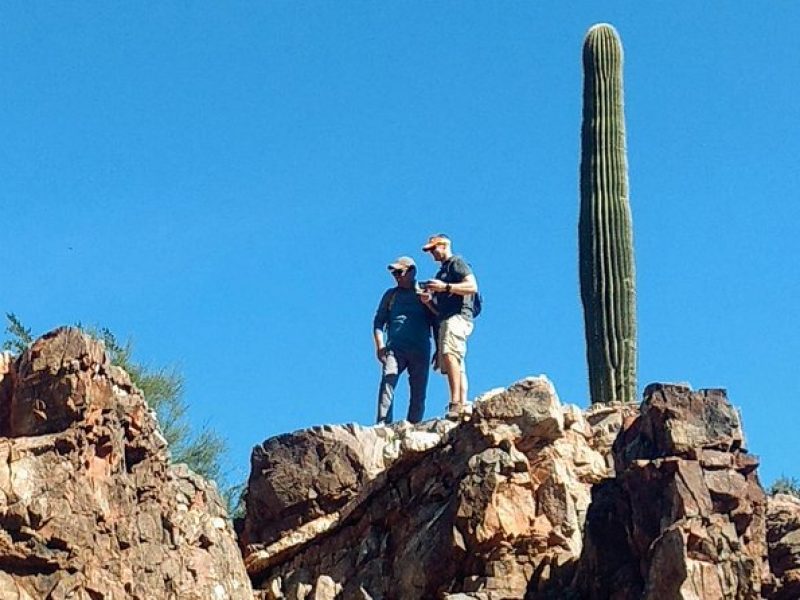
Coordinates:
(406, 320)
(453, 270)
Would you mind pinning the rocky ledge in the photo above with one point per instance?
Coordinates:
(528, 498)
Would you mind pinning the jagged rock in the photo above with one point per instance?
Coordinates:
(90, 507)
(528, 411)
(675, 421)
(685, 515)
(524, 498)
(484, 509)
(604, 422)
(6, 387)
(297, 478)
(528, 499)
(783, 540)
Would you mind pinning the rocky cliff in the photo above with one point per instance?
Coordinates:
(525, 498)
(90, 507)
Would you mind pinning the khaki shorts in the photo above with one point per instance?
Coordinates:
(453, 333)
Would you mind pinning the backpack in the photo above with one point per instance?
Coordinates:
(477, 304)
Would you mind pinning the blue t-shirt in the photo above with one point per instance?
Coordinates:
(406, 320)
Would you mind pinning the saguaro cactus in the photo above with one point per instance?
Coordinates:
(607, 281)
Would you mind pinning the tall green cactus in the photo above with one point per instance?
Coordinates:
(607, 278)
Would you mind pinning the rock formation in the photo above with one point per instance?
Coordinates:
(783, 540)
(685, 515)
(487, 508)
(90, 507)
(525, 498)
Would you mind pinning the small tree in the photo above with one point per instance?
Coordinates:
(20, 336)
(785, 485)
(163, 390)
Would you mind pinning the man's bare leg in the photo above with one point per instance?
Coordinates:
(455, 377)
(464, 385)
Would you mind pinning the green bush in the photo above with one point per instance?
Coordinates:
(785, 485)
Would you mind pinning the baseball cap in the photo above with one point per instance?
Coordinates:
(401, 263)
(435, 240)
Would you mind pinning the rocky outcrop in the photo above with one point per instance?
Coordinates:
(685, 515)
(527, 498)
(486, 508)
(783, 539)
(90, 507)
(524, 498)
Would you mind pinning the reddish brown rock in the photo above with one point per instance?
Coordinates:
(685, 517)
(6, 387)
(783, 539)
(676, 421)
(524, 499)
(520, 501)
(90, 507)
(488, 508)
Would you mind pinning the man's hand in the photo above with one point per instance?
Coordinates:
(425, 296)
(381, 353)
(436, 285)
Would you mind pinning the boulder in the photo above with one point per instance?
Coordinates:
(676, 421)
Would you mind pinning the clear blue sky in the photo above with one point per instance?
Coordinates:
(225, 183)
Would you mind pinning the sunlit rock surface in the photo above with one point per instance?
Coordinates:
(524, 498)
(528, 498)
(89, 506)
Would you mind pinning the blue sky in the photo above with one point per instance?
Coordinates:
(224, 183)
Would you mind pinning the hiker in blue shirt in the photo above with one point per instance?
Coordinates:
(406, 314)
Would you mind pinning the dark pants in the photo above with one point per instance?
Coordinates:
(396, 362)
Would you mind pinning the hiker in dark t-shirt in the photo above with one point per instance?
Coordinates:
(406, 314)
(454, 290)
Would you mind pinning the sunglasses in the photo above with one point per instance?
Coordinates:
(398, 272)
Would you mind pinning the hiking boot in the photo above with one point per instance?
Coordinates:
(458, 412)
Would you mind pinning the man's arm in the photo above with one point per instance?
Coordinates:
(378, 324)
(463, 288)
(466, 285)
(380, 346)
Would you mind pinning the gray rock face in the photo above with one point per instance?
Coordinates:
(89, 506)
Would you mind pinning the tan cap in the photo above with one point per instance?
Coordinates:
(402, 263)
(435, 240)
